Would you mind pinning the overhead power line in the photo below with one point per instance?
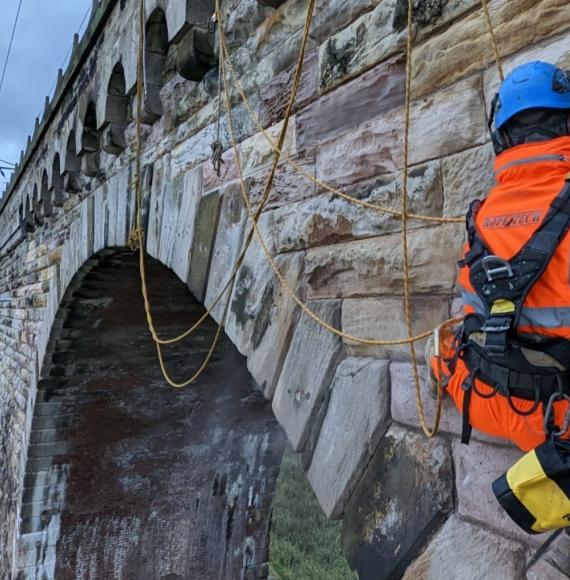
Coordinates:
(10, 45)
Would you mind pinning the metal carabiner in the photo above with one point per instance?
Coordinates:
(559, 396)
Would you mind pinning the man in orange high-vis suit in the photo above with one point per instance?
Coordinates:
(507, 368)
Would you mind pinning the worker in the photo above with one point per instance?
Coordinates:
(506, 366)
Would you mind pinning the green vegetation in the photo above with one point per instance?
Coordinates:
(304, 544)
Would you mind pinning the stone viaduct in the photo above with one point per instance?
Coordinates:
(105, 471)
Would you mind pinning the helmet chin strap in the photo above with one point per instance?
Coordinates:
(497, 137)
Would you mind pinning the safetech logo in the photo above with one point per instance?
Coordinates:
(512, 220)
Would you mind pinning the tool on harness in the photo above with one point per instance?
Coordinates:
(491, 348)
(535, 492)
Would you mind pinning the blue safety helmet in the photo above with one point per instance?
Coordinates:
(535, 85)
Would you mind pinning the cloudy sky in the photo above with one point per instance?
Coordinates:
(43, 38)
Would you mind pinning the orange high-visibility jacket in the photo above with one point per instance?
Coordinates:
(528, 178)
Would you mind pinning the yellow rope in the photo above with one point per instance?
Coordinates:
(376, 207)
(493, 38)
(310, 313)
(429, 431)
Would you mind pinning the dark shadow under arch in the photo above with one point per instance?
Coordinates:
(116, 112)
(90, 142)
(127, 474)
(156, 50)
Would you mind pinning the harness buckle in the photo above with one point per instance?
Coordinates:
(497, 324)
(495, 266)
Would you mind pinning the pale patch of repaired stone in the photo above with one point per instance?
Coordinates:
(385, 319)
(307, 372)
(357, 417)
(374, 266)
(467, 551)
(328, 219)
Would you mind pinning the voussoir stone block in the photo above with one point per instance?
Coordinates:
(461, 551)
(374, 266)
(303, 386)
(203, 243)
(357, 417)
(402, 498)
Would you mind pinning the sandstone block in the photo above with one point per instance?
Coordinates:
(467, 176)
(203, 243)
(468, 50)
(333, 15)
(401, 499)
(385, 319)
(462, 550)
(356, 419)
(476, 467)
(328, 219)
(374, 266)
(435, 121)
(554, 564)
(370, 95)
(375, 148)
(274, 95)
(307, 372)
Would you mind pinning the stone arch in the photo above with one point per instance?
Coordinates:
(90, 141)
(116, 112)
(156, 49)
(111, 444)
(71, 165)
(45, 195)
(57, 182)
(37, 206)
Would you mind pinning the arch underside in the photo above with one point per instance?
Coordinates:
(127, 477)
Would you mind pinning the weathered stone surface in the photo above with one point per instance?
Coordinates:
(476, 467)
(307, 372)
(357, 417)
(274, 95)
(367, 41)
(328, 219)
(375, 148)
(467, 176)
(203, 243)
(467, 47)
(400, 501)
(273, 328)
(374, 266)
(227, 247)
(385, 319)
(461, 550)
(288, 184)
(554, 564)
(370, 95)
(404, 408)
(333, 15)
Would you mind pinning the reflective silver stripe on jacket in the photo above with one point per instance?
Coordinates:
(528, 160)
(550, 317)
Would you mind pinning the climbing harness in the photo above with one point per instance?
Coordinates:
(492, 349)
(216, 146)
